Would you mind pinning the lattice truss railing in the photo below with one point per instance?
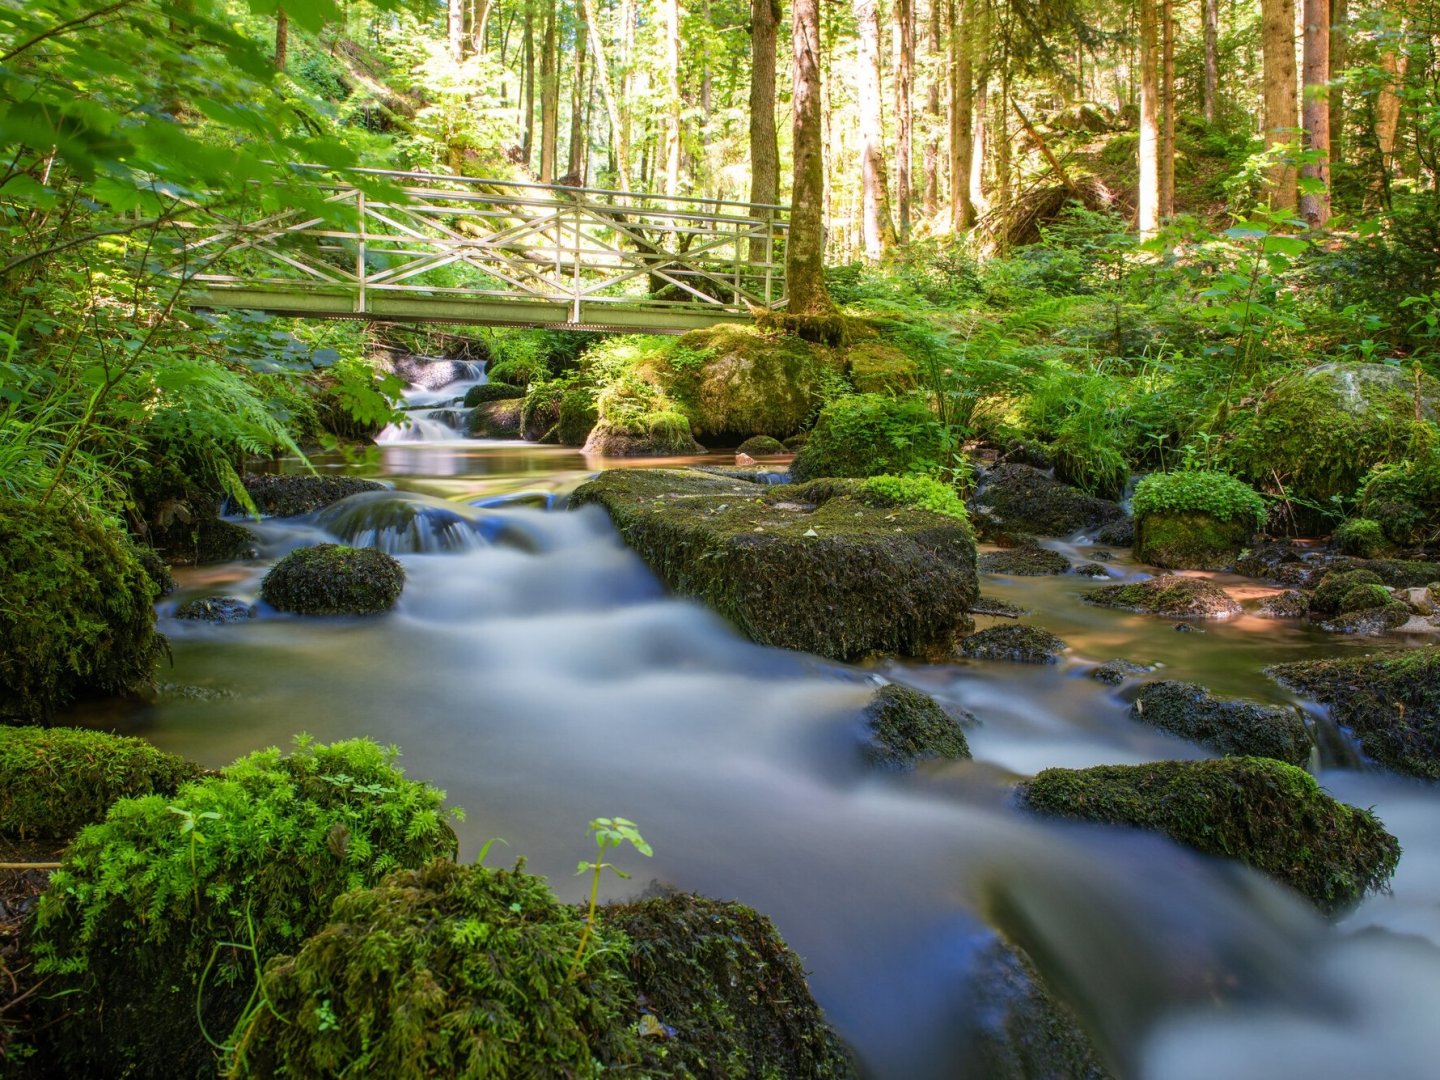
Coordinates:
(454, 237)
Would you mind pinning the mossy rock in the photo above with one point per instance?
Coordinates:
(334, 579)
(811, 568)
(1190, 541)
(540, 412)
(1281, 563)
(1024, 561)
(1361, 537)
(77, 617)
(906, 726)
(1267, 814)
(53, 781)
(1025, 499)
(577, 417)
(796, 443)
(1224, 725)
(1390, 701)
(761, 446)
(877, 368)
(492, 391)
(289, 496)
(495, 419)
(215, 609)
(520, 371)
(1397, 573)
(1015, 642)
(1290, 604)
(1378, 619)
(1115, 672)
(661, 434)
(738, 380)
(132, 921)
(1335, 586)
(870, 435)
(1117, 533)
(1169, 596)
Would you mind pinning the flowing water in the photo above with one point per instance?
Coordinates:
(536, 670)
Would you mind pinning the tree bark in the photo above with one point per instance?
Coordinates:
(549, 95)
(764, 139)
(672, 92)
(964, 140)
(979, 147)
(904, 115)
(282, 39)
(619, 134)
(805, 249)
(1167, 105)
(527, 86)
(1277, 28)
(1148, 197)
(574, 162)
(456, 26)
(878, 227)
(1315, 204)
(1394, 60)
(1339, 17)
(1210, 90)
(479, 20)
(932, 113)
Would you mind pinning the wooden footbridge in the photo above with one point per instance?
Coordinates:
(452, 249)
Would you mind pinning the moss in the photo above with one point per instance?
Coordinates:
(797, 442)
(1397, 573)
(519, 371)
(1169, 596)
(577, 417)
(1119, 532)
(906, 726)
(1363, 598)
(1189, 541)
(1267, 814)
(1025, 499)
(1024, 561)
(1370, 620)
(1361, 537)
(76, 618)
(1390, 701)
(761, 446)
(1215, 495)
(495, 420)
(540, 412)
(1289, 604)
(916, 492)
(1015, 642)
(215, 609)
(289, 496)
(669, 433)
(55, 780)
(333, 579)
(800, 567)
(1223, 725)
(609, 440)
(492, 391)
(134, 916)
(877, 368)
(1335, 585)
(871, 435)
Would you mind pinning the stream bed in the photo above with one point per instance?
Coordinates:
(539, 673)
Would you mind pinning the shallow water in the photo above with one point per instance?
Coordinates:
(541, 675)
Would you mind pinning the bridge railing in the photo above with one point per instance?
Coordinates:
(440, 243)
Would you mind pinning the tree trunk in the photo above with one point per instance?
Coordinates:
(1339, 17)
(282, 39)
(805, 249)
(764, 140)
(904, 116)
(549, 95)
(456, 25)
(574, 163)
(479, 20)
(619, 134)
(1148, 198)
(879, 229)
(1393, 61)
(1167, 105)
(979, 146)
(672, 92)
(1210, 91)
(1315, 203)
(965, 143)
(932, 113)
(1277, 26)
(527, 87)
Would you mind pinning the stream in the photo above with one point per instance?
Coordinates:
(537, 671)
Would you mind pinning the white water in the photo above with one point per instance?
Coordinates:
(432, 414)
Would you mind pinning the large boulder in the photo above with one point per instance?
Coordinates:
(1025, 499)
(871, 435)
(654, 434)
(905, 726)
(498, 419)
(1267, 814)
(334, 579)
(287, 496)
(1169, 596)
(1390, 701)
(830, 568)
(76, 610)
(1194, 520)
(1224, 725)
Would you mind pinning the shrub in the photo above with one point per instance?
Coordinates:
(1361, 537)
(76, 617)
(871, 435)
(524, 371)
(669, 432)
(541, 411)
(55, 780)
(130, 931)
(334, 579)
(492, 391)
(917, 492)
(1217, 494)
(578, 416)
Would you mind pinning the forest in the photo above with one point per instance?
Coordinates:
(962, 476)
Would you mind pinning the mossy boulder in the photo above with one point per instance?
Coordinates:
(133, 920)
(1397, 573)
(334, 579)
(1015, 642)
(906, 726)
(577, 418)
(1115, 672)
(1195, 519)
(1355, 602)
(870, 435)
(1265, 813)
(215, 609)
(520, 371)
(1024, 499)
(1224, 725)
(53, 781)
(1360, 537)
(1169, 596)
(1290, 604)
(492, 391)
(875, 367)
(657, 434)
(1336, 586)
(76, 618)
(761, 446)
(1390, 701)
(540, 411)
(495, 419)
(289, 496)
(741, 381)
(811, 567)
(1027, 560)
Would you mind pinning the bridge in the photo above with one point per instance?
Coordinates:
(453, 249)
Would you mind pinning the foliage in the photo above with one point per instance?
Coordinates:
(1217, 494)
(1362, 537)
(916, 492)
(871, 435)
(132, 932)
(608, 833)
(334, 579)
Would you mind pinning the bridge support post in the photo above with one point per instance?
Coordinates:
(360, 253)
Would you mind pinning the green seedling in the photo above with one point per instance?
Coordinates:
(608, 833)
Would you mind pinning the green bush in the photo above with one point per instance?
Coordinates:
(917, 492)
(76, 614)
(1404, 496)
(524, 371)
(131, 933)
(492, 391)
(1199, 491)
(541, 411)
(1361, 537)
(578, 416)
(55, 780)
(334, 579)
(871, 435)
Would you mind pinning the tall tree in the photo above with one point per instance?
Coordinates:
(966, 144)
(1394, 60)
(1339, 28)
(877, 227)
(904, 115)
(1277, 39)
(619, 130)
(672, 94)
(579, 134)
(282, 38)
(479, 20)
(1315, 199)
(805, 250)
(764, 139)
(455, 25)
(1167, 106)
(527, 85)
(549, 92)
(938, 75)
(1148, 199)
(1210, 88)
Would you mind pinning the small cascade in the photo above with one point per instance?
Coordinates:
(433, 399)
(408, 523)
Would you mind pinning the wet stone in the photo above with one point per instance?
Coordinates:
(216, 609)
(1114, 672)
(1017, 643)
